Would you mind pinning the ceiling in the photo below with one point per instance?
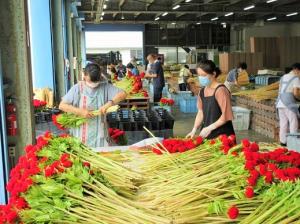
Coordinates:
(190, 11)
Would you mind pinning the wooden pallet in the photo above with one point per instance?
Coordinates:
(138, 102)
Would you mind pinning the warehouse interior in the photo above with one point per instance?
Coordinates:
(45, 46)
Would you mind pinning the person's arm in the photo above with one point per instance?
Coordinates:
(148, 75)
(296, 93)
(198, 120)
(117, 97)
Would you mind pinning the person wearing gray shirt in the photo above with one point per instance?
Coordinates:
(94, 93)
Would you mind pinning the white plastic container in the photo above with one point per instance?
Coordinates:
(241, 119)
(293, 142)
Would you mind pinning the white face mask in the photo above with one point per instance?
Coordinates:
(92, 84)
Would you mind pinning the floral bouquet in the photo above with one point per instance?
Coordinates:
(39, 105)
(166, 102)
(118, 136)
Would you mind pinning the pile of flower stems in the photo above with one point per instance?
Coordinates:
(117, 174)
(183, 186)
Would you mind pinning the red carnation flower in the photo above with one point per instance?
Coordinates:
(254, 147)
(262, 169)
(249, 193)
(86, 164)
(212, 142)
(157, 151)
(11, 216)
(250, 165)
(233, 212)
(235, 153)
(49, 171)
(199, 140)
(245, 143)
(64, 157)
(269, 177)
(67, 164)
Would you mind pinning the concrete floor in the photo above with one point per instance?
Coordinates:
(185, 122)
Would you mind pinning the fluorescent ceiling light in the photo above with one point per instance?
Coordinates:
(173, 23)
(292, 14)
(176, 7)
(272, 18)
(104, 6)
(166, 13)
(188, 0)
(157, 18)
(249, 7)
(229, 14)
(269, 1)
(101, 18)
(198, 23)
(216, 18)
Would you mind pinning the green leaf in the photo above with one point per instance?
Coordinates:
(53, 189)
(217, 207)
(238, 194)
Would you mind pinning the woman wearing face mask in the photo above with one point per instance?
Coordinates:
(94, 93)
(214, 104)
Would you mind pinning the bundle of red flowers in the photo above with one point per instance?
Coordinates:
(66, 120)
(56, 123)
(21, 180)
(39, 103)
(272, 167)
(166, 102)
(118, 136)
(174, 145)
(137, 84)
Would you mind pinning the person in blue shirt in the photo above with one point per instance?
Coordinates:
(132, 69)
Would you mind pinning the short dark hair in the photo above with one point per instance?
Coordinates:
(242, 65)
(287, 70)
(209, 67)
(130, 66)
(296, 66)
(113, 70)
(186, 66)
(93, 71)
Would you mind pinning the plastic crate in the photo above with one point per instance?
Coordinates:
(188, 104)
(177, 97)
(293, 142)
(241, 119)
(266, 80)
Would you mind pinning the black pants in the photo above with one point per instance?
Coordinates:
(157, 94)
(182, 87)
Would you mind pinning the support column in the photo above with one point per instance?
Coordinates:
(58, 48)
(75, 53)
(79, 66)
(14, 44)
(70, 40)
(83, 49)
